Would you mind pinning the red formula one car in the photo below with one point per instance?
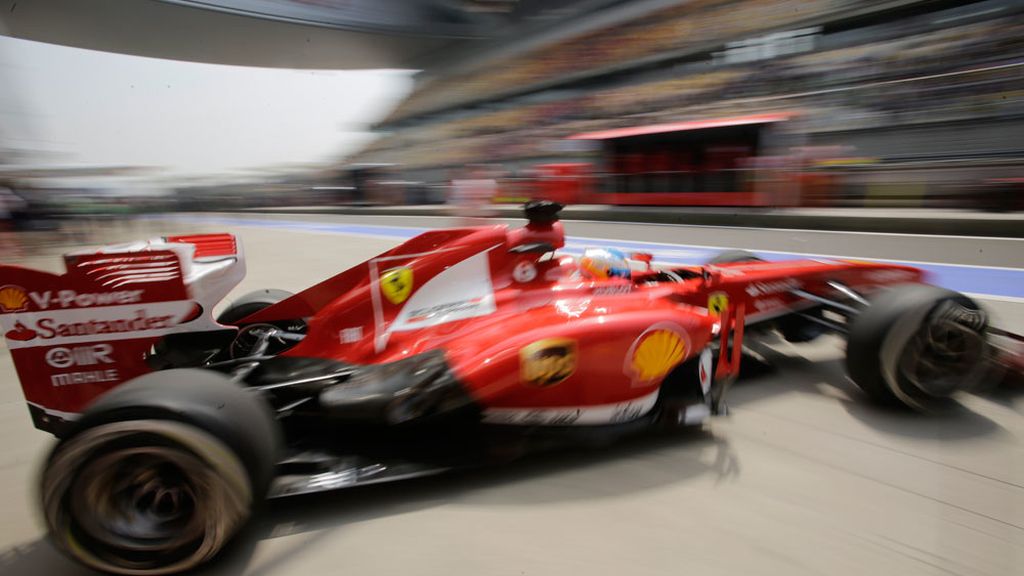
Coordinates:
(442, 352)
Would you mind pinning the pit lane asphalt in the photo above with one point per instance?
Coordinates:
(802, 478)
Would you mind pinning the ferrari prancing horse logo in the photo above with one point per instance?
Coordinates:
(717, 303)
(396, 284)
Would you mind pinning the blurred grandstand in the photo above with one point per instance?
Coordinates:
(722, 102)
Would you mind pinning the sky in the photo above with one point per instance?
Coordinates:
(96, 108)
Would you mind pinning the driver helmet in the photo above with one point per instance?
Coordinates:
(604, 263)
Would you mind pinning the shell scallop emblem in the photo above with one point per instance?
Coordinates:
(655, 354)
(13, 299)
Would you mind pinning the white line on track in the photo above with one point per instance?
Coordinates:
(811, 230)
(711, 226)
(808, 254)
(576, 239)
(1010, 299)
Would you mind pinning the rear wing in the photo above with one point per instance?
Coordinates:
(76, 335)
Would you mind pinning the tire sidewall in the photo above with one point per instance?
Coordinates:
(878, 338)
(225, 473)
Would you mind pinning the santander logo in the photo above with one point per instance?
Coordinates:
(96, 324)
(21, 333)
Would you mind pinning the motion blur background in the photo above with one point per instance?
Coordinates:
(824, 128)
(116, 106)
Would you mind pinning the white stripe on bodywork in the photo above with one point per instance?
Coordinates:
(380, 336)
(573, 415)
(463, 290)
(467, 283)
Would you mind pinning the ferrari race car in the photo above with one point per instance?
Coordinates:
(445, 351)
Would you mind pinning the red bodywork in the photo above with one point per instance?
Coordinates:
(523, 331)
(606, 322)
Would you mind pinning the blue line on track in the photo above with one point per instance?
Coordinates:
(991, 281)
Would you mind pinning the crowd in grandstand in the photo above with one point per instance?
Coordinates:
(917, 72)
(679, 28)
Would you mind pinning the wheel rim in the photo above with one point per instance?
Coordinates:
(942, 356)
(139, 500)
(144, 497)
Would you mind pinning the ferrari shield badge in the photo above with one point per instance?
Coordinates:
(717, 303)
(547, 362)
(396, 284)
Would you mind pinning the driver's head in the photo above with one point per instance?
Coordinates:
(603, 263)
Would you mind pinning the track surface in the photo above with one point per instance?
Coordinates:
(802, 478)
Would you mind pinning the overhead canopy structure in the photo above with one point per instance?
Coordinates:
(311, 34)
(51, 171)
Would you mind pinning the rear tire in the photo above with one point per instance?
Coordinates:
(917, 345)
(159, 474)
(191, 349)
(251, 303)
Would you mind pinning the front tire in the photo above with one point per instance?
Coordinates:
(917, 345)
(734, 257)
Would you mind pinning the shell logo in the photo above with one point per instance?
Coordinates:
(655, 353)
(13, 299)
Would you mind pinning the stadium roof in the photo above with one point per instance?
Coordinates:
(310, 34)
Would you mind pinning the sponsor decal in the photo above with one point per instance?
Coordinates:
(61, 357)
(572, 308)
(48, 328)
(704, 370)
(717, 303)
(534, 417)
(524, 271)
(76, 325)
(20, 333)
(396, 284)
(627, 412)
(773, 287)
(889, 276)
(350, 335)
(93, 355)
(461, 308)
(655, 353)
(769, 303)
(613, 290)
(725, 271)
(13, 299)
(88, 377)
(573, 415)
(75, 299)
(547, 362)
